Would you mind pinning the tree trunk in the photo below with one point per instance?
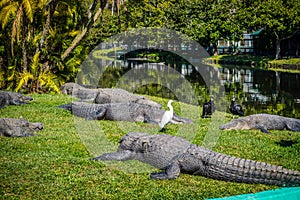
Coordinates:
(215, 49)
(118, 13)
(24, 48)
(50, 6)
(278, 56)
(86, 28)
(278, 40)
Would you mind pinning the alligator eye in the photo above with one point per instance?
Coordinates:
(25, 124)
(121, 140)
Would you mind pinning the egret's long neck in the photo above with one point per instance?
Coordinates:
(171, 108)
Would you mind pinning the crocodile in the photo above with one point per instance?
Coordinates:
(174, 155)
(12, 127)
(105, 95)
(263, 122)
(132, 112)
(13, 98)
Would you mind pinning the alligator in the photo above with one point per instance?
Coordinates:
(132, 112)
(105, 95)
(174, 155)
(263, 122)
(11, 127)
(13, 98)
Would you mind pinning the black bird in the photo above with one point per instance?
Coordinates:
(208, 107)
(235, 108)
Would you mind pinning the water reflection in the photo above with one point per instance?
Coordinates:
(262, 90)
(259, 91)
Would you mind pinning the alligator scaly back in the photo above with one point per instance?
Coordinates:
(230, 168)
(175, 155)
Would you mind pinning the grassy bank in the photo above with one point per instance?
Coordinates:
(56, 165)
(263, 62)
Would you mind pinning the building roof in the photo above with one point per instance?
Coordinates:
(256, 32)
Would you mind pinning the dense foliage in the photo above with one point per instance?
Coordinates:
(43, 42)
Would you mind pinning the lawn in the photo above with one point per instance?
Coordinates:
(56, 165)
(262, 62)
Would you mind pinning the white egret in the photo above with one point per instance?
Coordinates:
(167, 116)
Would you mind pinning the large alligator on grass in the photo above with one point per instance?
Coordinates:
(263, 122)
(13, 98)
(175, 155)
(132, 112)
(105, 95)
(11, 127)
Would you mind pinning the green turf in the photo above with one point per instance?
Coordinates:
(56, 165)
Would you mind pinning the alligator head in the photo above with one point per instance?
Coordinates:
(18, 99)
(236, 124)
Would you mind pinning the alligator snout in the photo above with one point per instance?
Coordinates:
(37, 126)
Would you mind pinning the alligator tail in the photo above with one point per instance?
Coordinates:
(230, 168)
(178, 119)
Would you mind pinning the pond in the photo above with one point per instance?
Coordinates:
(258, 91)
(263, 91)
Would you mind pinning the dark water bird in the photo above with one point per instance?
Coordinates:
(235, 108)
(208, 107)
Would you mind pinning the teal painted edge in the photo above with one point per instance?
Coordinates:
(256, 32)
(290, 193)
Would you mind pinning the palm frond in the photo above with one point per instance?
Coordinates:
(42, 3)
(49, 80)
(2, 78)
(52, 32)
(6, 12)
(28, 8)
(73, 33)
(23, 78)
(15, 33)
(11, 73)
(35, 63)
(36, 38)
(4, 2)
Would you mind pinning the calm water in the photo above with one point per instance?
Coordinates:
(263, 91)
(258, 91)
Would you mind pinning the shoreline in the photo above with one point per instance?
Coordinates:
(258, 62)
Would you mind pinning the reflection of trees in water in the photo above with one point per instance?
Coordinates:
(271, 92)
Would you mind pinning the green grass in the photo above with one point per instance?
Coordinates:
(240, 59)
(56, 165)
(262, 62)
(291, 64)
(291, 61)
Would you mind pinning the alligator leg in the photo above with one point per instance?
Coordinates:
(172, 172)
(262, 128)
(99, 114)
(293, 127)
(119, 156)
(17, 102)
(179, 120)
(162, 130)
(27, 135)
(147, 119)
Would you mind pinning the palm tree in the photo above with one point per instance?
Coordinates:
(21, 13)
(93, 14)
